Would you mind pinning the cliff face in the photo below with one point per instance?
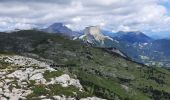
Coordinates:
(92, 30)
(94, 36)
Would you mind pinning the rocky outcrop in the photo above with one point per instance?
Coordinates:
(96, 33)
(66, 81)
(20, 74)
(94, 36)
(92, 98)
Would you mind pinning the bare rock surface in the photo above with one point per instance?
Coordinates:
(17, 73)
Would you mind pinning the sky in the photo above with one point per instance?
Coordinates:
(149, 16)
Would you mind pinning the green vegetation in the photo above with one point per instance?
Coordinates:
(69, 91)
(56, 89)
(102, 74)
(48, 75)
(3, 64)
(31, 83)
(40, 90)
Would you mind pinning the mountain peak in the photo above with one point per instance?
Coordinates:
(60, 28)
(132, 37)
(57, 25)
(92, 30)
(93, 35)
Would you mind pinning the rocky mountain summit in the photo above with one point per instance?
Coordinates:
(94, 36)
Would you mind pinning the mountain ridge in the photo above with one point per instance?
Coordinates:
(99, 72)
(134, 44)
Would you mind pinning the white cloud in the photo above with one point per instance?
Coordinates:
(76, 19)
(143, 15)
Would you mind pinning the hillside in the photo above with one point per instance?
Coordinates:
(132, 37)
(142, 48)
(24, 78)
(101, 73)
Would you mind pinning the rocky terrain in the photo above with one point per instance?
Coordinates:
(94, 36)
(100, 72)
(23, 77)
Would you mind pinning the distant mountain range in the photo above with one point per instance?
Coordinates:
(139, 47)
(40, 65)
(132, 37)
(134, 44)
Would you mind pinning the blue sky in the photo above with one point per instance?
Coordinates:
(149, 16)
(167, 4)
